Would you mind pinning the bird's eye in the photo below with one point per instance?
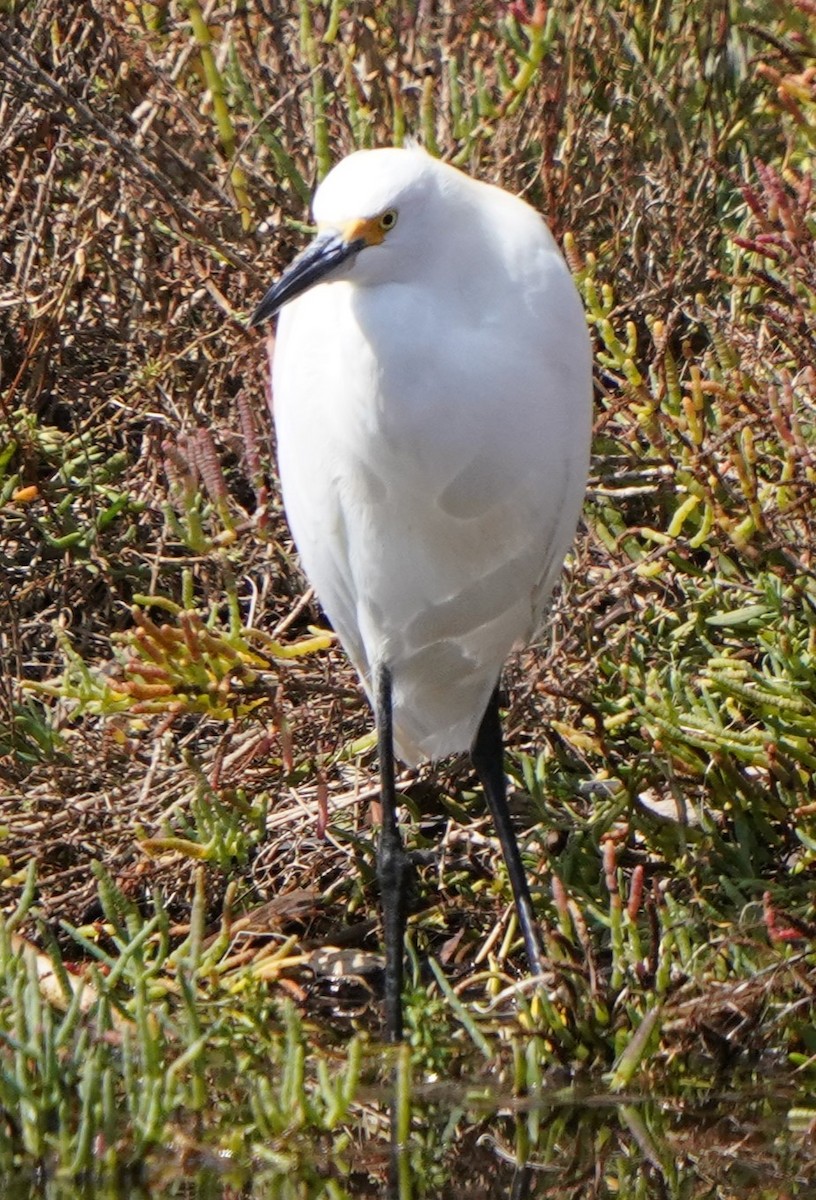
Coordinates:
(389, 219)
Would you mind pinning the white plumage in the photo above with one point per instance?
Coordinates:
(432, 392)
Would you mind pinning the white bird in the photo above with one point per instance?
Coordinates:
(432, 398)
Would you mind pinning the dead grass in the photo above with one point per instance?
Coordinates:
(673, 144)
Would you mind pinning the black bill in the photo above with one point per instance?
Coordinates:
(319, 259)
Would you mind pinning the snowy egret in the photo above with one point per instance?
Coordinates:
(432, 399)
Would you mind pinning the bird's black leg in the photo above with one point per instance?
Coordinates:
(487, 755)
(392, 862)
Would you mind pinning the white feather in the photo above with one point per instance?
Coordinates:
(433, 406)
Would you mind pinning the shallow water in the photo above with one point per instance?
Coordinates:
(758, 1142)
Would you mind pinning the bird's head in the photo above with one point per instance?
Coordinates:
(365, 213)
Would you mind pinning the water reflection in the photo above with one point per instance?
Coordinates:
(599, 1147)
(401, 1180)
(562, 1145)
